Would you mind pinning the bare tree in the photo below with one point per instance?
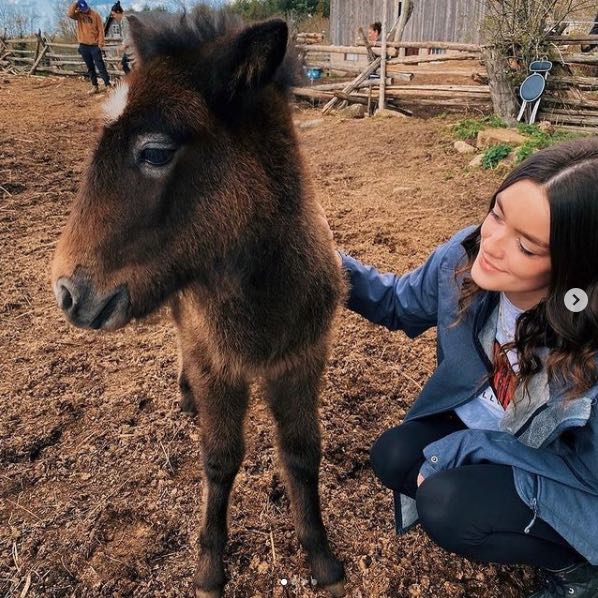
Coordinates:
(13, 22)
(515, 33)
(65, 27)
(406, 8)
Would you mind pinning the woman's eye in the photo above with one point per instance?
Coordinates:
(156, 156)
(524, 250)
(494, 215)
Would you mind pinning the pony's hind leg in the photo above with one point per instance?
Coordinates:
(222, 405)
(293, 400)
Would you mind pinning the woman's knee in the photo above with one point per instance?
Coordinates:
(392, 457)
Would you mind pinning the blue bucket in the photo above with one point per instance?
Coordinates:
(313, 73)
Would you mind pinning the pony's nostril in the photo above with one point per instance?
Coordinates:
(86, 307)
(66, 295)
(66, 299)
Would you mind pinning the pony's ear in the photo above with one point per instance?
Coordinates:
(249, 61)
(136, 37)
(150, 34)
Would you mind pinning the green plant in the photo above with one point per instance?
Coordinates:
(467, 128)
(524, 151)
(494, 154)
(261, 9)
(496, 122)
(538, 140)
(526, 129)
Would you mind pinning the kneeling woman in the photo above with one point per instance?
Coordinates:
(498, 456)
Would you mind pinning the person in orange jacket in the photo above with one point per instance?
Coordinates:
(90, 35)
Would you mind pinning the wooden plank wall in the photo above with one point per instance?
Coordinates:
(432, 20)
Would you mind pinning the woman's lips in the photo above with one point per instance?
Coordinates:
(487, 266)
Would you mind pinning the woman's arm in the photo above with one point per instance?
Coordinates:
(408, 302)
(576, 466)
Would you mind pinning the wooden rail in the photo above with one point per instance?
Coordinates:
(432, 68)
(37, 54)
(50, 57)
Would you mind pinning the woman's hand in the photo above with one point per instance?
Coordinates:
(328, 231)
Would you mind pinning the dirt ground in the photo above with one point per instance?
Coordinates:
(100, 476)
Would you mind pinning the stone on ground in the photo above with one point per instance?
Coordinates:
(477, 161)
(464, 148)
(489, 137)
(386, 113)
(309, 124)
(352, 111)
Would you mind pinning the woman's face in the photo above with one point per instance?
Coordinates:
(372, 35)
(514, 254)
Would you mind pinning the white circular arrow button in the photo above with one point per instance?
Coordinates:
(576, 300)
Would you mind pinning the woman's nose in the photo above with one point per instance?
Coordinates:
(494, 245)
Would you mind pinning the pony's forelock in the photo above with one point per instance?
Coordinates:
(177, 35)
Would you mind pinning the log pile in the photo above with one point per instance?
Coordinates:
(399, 96)
(411, 80)
(309, 38)
(570, 111)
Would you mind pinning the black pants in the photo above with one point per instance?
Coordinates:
(474, 510)
(126, 63)
(92, 56)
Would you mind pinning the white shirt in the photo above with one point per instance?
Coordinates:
(485, 412)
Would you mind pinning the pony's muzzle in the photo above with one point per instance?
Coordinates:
(87, 308)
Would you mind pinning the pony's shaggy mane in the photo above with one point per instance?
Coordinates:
(157, 34)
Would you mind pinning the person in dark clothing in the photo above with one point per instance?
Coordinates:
(118, 14)
(90, 35)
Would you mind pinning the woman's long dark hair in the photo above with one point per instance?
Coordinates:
(569, 174)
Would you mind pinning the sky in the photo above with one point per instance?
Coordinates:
(44, 11)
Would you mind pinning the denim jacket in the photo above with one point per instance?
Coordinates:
(550, 442)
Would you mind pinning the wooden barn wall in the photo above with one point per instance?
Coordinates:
(432, 20)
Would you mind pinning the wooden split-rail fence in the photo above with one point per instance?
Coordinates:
(448, 75)
(38, 55)
(413, 70)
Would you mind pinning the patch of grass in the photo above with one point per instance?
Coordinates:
(531, 130)
(538, 140)
(494, 154)
(469, 128)
(525, 151)
(496, 122)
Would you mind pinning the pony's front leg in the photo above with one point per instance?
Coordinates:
(222, 405)
(293, 400)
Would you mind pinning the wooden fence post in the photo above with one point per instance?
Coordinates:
(39, 59)
(382, 95)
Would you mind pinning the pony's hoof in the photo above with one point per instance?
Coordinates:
(337, 590)
(199, 593)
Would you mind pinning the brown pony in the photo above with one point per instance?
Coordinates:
(195, 196)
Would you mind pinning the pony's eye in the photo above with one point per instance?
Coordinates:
(156, 156)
